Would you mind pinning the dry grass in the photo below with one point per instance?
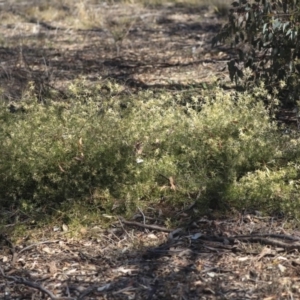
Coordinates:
(89, 13)
(78, 15)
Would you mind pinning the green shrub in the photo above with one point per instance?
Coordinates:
(108, 149)
(265, 36)
(268, 190)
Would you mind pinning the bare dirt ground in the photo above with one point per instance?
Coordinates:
(243, 257)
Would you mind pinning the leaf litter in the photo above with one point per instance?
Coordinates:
(195, 264)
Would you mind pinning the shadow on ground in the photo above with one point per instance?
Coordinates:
(159, 48)
(129, 261)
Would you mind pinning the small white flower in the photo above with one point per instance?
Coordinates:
(139, 161)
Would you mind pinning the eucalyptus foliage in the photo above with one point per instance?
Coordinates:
(265, 34)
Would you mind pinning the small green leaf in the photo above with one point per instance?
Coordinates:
(242, 37)
(285, 26)
(293, 35)
(265, 27)
(274, 51)
(241, 19)
(276, 24)
(270, 36)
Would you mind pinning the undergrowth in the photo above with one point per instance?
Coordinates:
(105, 151)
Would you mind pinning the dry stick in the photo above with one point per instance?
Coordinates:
(287, 242)
(68, 291)
(269, 235)
(144, 219)
(36, 244)
(120, 220)
(15, 253)
(21, 280)
(90, 289)
(87, 292)
(14, 224)
(153, 227)
(266, 241)
(12, 249)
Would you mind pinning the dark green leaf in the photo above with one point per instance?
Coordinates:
(242, 36)
(264, 25)
(285, 25)
(274, 51)
(239, 73)
(270, 36)
(241, 55)
(293, 35)
(284, 6)
(237, 39)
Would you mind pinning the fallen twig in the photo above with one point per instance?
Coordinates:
(121, 222)
(153, 227)
(20, 280)
(36, 244)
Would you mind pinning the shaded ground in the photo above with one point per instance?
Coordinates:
(207, 260)
(166, 47)
(141, 47)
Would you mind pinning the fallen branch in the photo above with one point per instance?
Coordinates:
(287, 242)
(36, 244)
(284, 241)
(20, 280)
(153, 227)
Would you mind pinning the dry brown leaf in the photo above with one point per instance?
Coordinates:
(138, 148)
(172, 183)
(125, 270)
(52, 267)
(152, 236)
(61, 168)
(48, 250)
(281, 268)
(65, 228)
(83, 230)
(265, 251)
